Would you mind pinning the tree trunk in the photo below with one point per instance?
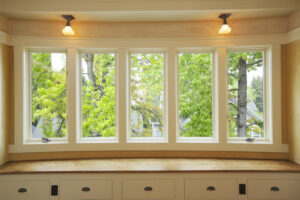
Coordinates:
(242, 99)
(89, 59)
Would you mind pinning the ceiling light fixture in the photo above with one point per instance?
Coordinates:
(225, 29)
(68, 29)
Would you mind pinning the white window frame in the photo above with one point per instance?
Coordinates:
(122, 47)
(267, 139)
(163, 139)
(215, 136)
(28, 61)
(79, 120)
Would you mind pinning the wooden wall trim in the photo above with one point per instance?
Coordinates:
(293, 99)
(284, 132)
(6, 79)
(145, 154)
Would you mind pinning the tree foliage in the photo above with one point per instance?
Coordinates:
(48, 96)
(253, 61)
(98, 95)
(195, 95)
(146, 93)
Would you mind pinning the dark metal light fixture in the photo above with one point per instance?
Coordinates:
(225, 29)
(68, 29)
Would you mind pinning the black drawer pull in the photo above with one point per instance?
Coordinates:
(275, 188)
(210, 188)
(85, 189)
(148, 189)
(22, 190)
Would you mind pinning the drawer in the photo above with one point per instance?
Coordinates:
(274, 189)
(148, 189)
(210, 189)
(85, 189)
(24, 190)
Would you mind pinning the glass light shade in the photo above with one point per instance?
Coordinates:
(68, 30)
(225, 29)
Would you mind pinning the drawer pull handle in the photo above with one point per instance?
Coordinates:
(274, 188)
(210, 188)
(22, 190)
(148, 189)
(85, 189)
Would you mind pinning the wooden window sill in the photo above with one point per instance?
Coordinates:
(148, 165)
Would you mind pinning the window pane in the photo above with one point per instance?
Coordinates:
(195, 95)
(98, 95)
(48, 92)
(246, 94)
(147, 95)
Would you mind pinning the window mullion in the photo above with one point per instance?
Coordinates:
(71, 94)
(122, 100)
(220, 123)
(171, 105)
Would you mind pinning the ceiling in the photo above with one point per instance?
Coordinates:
(145, 10)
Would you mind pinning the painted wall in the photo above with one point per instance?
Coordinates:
(293, 99)
(195, 29)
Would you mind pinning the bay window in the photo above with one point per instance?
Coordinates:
(159, 98)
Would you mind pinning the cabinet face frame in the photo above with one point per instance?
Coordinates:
(178, 179)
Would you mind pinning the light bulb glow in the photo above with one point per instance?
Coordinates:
(68, 30)
(225, 29)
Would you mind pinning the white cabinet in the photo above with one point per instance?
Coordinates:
(274, 189)
(210, 189)
(151, 186)
(154, 189)
(24, 190)
(86, 189)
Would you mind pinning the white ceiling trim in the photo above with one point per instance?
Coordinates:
(141, 5)
(285, 38)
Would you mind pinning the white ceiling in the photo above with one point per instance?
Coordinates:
(145, 10)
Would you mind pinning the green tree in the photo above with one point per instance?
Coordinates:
(239, 64)
(98, 95)
(48, 96)
(257, 85)
(146, 93)
(195, 95)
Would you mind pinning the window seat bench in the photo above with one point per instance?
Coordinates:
(150, 179)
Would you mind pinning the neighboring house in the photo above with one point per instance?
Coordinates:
(37, 131)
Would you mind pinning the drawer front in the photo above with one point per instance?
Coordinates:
(148, 189)
(24, 190)
(274, 189)
(85, 189)
(210, 189)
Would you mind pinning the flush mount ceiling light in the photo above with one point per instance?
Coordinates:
(68, 29)
(225, 29)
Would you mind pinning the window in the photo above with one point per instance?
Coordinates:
(195, 95)
(98, 95)
(246, 94)
(48, 95)
(213, 99)
(147, 96)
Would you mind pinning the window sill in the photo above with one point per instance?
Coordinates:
(149, 165)
(150, 146)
